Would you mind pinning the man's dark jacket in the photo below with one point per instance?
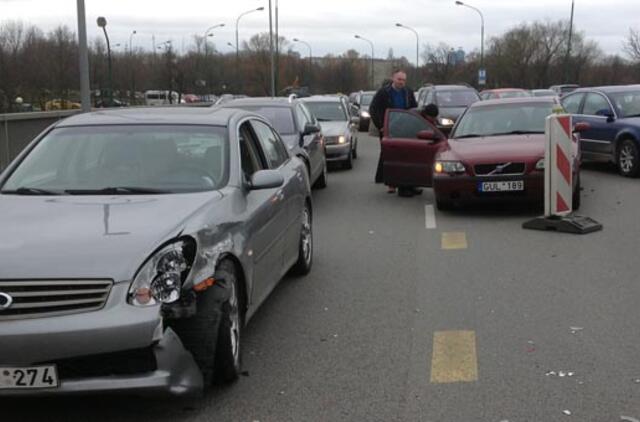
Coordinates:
(382, 101)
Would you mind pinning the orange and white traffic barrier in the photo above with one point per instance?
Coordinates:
(558, 166)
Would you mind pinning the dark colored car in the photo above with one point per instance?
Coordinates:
(142, 241)
(452, 101)
(613, 112)
(107, 103)
(562, 90)
(338, 127)
(495, 152)
(361, 109)
(297, 126)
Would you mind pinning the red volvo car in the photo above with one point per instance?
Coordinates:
(495, 153)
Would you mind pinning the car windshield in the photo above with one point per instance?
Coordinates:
(568, 89)
(124, 159)
(627, 103)
(513, 94)
(280, 117)
(456, 98)
(366, 99)
(326, 111)
(503, 119)
(544, 93)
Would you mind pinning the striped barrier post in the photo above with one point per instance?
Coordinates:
(558, 181)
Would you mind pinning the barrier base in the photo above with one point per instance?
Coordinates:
(575, 224)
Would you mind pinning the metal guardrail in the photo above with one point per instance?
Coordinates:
(18, 129)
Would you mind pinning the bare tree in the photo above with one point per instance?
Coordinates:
(631, 45)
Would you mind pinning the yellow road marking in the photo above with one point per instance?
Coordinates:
(454, 357)
(454, 240)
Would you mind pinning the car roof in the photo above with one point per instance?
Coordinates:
(517, 100)
(505, 90)
(154, 115)
(451, 87)
(608, 88)
(262, 101)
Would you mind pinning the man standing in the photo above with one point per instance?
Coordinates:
(394, 95)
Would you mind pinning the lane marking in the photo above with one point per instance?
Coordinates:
(454, 240)
(429, 217)
(454, 357)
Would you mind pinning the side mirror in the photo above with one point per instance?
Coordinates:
(310, 128)
(266, 179)
(354, 120)
(581, 127)
(427, 135)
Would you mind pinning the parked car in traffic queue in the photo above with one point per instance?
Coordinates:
(298, 128)
(613, 113)
(494, 94)
(494, 153)
(360, 108)
(138, 243)
(338, 127)
(452, 101)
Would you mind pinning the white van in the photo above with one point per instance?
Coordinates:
(155, 98)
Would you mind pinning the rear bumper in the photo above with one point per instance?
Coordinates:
(338, 152)
(464, 189)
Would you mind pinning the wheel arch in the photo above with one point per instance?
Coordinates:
(242, 280)
(623, 136)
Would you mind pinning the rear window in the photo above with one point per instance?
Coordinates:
(280, 117)
(456, 98)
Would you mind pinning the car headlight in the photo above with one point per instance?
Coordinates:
(540, 164)
(450, 167)
(446, 122)
(365, 114)
(342, 139)
(160, 279)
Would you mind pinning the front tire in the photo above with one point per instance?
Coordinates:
(443, 205)
(627, 158)
(228, 358)
(321, 183)
(305, 246)
(348, 163)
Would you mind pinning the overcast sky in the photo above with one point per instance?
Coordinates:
(329, 25)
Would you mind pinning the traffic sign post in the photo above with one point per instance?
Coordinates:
(482, 77)
(558, 181)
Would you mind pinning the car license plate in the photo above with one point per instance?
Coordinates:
(504, 186)
(28, 377)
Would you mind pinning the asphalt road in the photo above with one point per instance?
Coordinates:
(466, 321)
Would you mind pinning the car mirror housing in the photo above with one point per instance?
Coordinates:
(310, 128)
(427, 135)
(581, 127)
(266, 179)
(354, 120)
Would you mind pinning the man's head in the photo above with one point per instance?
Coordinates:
(399, 79)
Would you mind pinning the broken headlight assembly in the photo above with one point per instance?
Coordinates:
(160, 279)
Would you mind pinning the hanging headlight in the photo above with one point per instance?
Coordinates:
(160, 278)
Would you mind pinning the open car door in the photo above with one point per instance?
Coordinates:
(409, 147)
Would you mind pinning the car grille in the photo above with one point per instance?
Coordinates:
(46, 298)
(499, 169)
(331, 140)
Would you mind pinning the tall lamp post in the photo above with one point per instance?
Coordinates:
(85, 88)
(134, 32)
(459, 3)
(102, 23)
(310, 56)
(259, 9)
(372, 58)
(566, 60)
(399, 25)
(206, 34)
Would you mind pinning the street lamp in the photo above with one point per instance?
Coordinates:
(372, 57)
(206, 34)
(310, 55)
(399, 25)
(566, 60)
(459, 3)
(131, 40)
(102, 23)
(259, 9)
(85, 85)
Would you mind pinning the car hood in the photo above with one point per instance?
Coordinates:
(334, 128)
(495, 149)
(451, 112)
(89, 236)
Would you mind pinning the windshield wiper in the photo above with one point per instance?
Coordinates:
(518, 132)
(470, 135)
(320, 119)
(633, 115)
(31, 191)
(117, 190)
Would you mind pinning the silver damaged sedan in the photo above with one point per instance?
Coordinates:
(136, 244)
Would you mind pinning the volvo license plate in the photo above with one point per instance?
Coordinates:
(504, 186)
(28, 377)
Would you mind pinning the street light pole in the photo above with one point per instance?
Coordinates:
(102, 23)
(459, 3)
(131, 40)
(271, 52)
(372, 59)
(566, 60)
(399, 25)
(206, 33)
(237, 83)
(310, 56)
(85, 85)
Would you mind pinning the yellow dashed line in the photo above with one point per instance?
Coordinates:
(454, 357)
(454, 240)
